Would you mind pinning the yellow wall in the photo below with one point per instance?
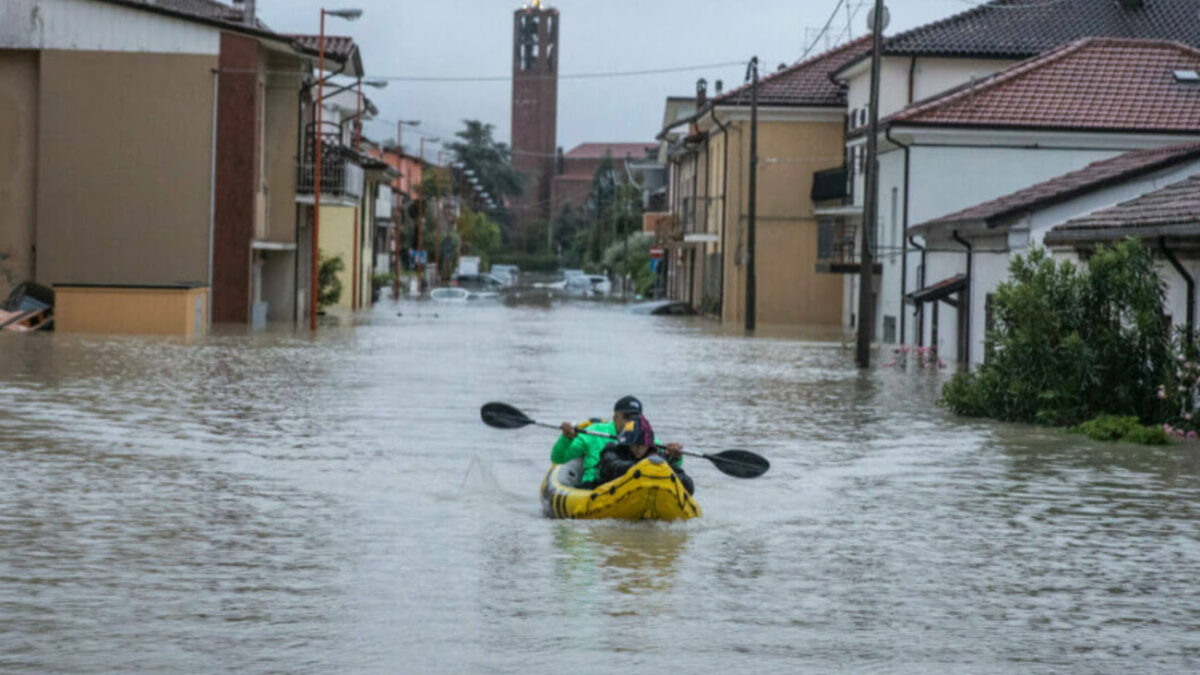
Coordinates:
(789, 289)
(152, 311)
(18, 169)
(337, 239)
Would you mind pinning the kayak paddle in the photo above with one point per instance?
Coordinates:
(736, 463)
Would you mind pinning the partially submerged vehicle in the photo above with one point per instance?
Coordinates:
(663, 308)
(29, 307)
(650, 490)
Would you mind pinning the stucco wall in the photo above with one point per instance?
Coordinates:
(789, 289)
(280, 146)
(18, 169)
(337, 239)
(124, 174)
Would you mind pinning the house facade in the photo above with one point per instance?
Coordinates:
(1088, 101)
(800, 129)
(923, 64)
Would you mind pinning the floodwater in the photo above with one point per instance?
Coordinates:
(275, 503)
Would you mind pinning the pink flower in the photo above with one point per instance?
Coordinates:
(1166, 428)
(1177, 433)
(1187, 416)
(1191, 435)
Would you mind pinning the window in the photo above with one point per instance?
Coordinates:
(824, 239)
(895, 222)
(889, 329)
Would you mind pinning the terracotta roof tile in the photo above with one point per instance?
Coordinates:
(1098, 83)
(338, 47)
(804, 84)
(1174, 208)
(619, 150)
(1023, 28)
(1092, 177)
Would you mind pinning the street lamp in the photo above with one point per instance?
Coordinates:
(349, 15)
(377, 84)
(400, 124)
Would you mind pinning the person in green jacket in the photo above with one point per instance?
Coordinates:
(572, 444)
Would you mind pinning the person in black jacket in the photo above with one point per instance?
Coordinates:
(633, 444)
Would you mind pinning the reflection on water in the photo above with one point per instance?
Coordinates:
(277, 502)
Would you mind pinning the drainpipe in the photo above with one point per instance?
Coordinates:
(212, 194)
(912, 241)
(904, 228)
(965, 305)
(712, 112)
(1191, 289)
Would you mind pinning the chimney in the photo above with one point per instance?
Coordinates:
(248, 17)
(701, 92)
(719, 86)
(1133, 4)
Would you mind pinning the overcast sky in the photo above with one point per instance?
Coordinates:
(469, 38)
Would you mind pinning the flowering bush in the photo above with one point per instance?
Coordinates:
(924, 358)
(1178, 393)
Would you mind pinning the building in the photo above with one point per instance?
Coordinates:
(800, 129)
(534, 113)
(154, 157)
(1087, 101)
(923, 63)
(575, 170)
(1000, 229)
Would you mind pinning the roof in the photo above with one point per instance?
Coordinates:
(1023, 28)
(207, 12)
(1097, 83)
(806, 83)
(1090, 178)
(340, 48)
(1172, 210)
(618, 150)
(942, 289)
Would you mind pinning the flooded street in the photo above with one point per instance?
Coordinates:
(275, 503)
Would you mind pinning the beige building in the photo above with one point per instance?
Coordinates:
(800, 130)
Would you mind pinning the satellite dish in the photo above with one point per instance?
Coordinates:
(887, 16)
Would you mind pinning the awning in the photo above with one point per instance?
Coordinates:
(938, 291)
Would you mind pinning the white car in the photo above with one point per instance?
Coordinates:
(587, 286)
(507, 274)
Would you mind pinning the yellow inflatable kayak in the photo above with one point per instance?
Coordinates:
(648, 491)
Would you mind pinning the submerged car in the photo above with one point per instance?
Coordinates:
(587, 286)
(477, 282)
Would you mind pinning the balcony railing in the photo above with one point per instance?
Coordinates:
(830, 184)
(838, 247)
(341, 173)
(696, 213)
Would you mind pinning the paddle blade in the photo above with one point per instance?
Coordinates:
(740, 463)
(503, 416)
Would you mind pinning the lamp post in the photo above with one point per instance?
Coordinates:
(349, 15)
(378, 84)
(421, 218)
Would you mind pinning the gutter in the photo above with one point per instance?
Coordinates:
(911, 239)
(887, 133)
(1191, 290)
(965, 306)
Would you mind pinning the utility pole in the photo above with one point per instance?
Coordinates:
(751, 253)
(399, 220)
(866, 272)
(421, 221)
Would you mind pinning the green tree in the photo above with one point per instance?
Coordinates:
(491, 162)
(480, 235)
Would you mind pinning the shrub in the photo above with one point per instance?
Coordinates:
(329, 286)
(1121, 428)
(1072, 344)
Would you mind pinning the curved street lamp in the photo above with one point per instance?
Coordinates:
(349, 15)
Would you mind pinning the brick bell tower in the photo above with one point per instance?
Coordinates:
(534, 110)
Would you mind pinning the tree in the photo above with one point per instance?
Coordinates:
(491, 162)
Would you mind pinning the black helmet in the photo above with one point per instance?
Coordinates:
(628, 405)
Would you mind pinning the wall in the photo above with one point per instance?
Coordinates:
(789, 289)
(337, 239)
(281, 147)
(935, 75)
(128, 138)
(131, 311)
(18, 170)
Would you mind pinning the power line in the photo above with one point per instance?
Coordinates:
(825, 28)
(507, 78)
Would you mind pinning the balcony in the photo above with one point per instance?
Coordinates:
(838, 246)
(831, 184)
(341, 171)
(695, 215)
(385, 206)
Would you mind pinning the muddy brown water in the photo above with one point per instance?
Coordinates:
(276, 503)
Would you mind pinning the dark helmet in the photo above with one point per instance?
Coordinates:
(628, 406)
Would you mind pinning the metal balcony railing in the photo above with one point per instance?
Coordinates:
(341, 173)
(831, 184)
(836, 242)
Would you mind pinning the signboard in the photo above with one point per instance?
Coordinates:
(656, 252)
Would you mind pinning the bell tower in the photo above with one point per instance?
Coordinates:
(534, 109)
